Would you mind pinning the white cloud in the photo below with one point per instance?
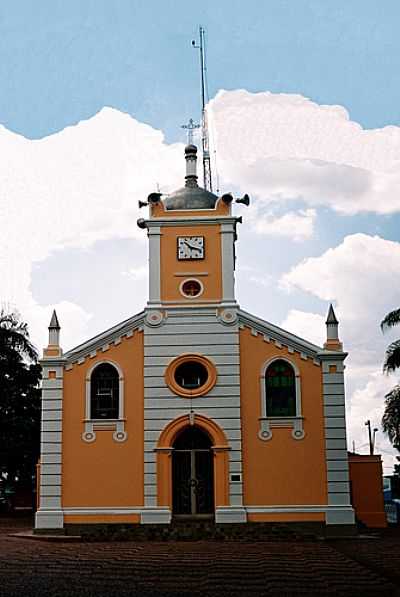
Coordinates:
(283, 147)
(296, 225)
(71, 189)
(367, 402)
(73, 319)
(82, 185)
(310, 326)
(137, 273)
(359, 275)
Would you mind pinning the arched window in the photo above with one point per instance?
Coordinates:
(280, 389)
(104, 392)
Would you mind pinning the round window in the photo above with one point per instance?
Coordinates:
(191, 375)
(191, 288)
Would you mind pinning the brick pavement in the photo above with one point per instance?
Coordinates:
(186, 569)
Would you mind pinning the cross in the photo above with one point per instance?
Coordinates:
(191, 126)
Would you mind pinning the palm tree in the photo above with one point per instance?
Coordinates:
(391, 416)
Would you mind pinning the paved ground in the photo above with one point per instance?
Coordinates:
(350, 568)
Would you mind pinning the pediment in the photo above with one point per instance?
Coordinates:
(111, 336)
(278, 335)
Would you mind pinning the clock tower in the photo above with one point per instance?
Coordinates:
(191, 254)
(191, 338)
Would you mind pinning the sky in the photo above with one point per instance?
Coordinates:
(303, 104)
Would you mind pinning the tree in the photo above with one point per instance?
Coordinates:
(20, 376)
(391, 416)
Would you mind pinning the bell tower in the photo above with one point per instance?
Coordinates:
(191, 341)
(192, 235)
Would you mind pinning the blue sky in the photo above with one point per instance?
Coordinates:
(80, 80)
(63, 61)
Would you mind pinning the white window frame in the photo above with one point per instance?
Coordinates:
(93, 425)
(267, 422)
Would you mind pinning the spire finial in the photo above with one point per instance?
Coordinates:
(54, 321)
(53, 348)
(332, 331)
(190, 127)
(331, 318)
(191, 166)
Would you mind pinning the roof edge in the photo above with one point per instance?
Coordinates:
(105, 337)
(277, 333)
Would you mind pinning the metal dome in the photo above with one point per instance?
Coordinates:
(190, 198)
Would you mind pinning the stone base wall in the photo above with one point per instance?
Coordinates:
(199, 531)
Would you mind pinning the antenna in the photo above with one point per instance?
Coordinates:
(207, 177)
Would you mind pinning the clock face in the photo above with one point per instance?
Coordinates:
(190, 247)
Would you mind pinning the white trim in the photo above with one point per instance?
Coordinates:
(267, 422)
(154, 235)
(281, 509)
(49, 514)
(230, 514)
(102, 362)
(201, 303)
(336, 449)
(99, 511)
(276, 333)
(187, 296)
(340, 514)
(334, 514)
(93, 425)
(227, 233)
(49, 519)
(227, 316)
(190, 220)
(89, 348)
(156, 515)
(183, 274)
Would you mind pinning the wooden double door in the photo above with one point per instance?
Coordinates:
(193, 474)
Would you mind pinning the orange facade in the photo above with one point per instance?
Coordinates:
(281, 471)
(208, 270)
(104, 473)
(109, 474)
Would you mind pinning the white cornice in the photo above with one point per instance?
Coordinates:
(191, 220)
(110, 336)
(278, 335)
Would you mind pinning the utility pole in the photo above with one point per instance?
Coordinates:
(373, 440)
(371, 437)
(207, 176)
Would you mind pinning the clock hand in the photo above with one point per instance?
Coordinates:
(192, 245)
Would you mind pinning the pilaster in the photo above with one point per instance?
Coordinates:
(154, 234)
(49, 514)
(340, 511)
(228, 263)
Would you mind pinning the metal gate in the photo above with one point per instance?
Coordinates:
(192, 474)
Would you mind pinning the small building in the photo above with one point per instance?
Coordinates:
(194, 407)
(366, 484)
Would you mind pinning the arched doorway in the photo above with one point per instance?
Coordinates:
(192, 473)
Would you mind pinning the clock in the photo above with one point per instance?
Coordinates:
(190, 247)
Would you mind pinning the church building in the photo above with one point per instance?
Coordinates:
(193, 407)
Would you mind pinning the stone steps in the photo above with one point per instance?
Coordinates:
(189, 530)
